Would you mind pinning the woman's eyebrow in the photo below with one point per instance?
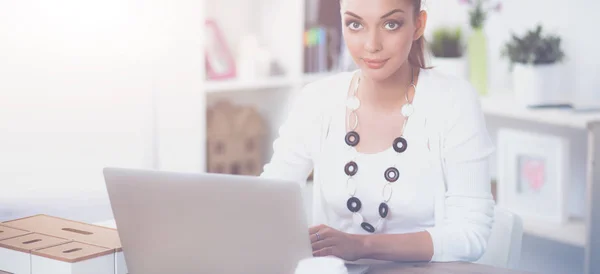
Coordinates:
(352, 14)
(391, 12)
(384, 16)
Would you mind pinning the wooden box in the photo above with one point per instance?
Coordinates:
(15, 253)
(9, 232)
(76, 231)
(73, 258)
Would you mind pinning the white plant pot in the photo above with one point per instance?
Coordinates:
(451, 66)
(539, 85)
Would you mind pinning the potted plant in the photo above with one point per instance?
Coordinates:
(447, 49)
(477, 43)
(536, 63)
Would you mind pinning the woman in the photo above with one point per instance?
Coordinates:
(400, 152)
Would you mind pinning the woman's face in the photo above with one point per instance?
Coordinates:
(379, 34)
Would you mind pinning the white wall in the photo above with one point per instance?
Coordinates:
(584, 22)
(77, 86)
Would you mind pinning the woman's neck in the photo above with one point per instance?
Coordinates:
(389, 94)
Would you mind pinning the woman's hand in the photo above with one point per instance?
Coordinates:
(327, 241)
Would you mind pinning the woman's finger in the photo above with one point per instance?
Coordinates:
(315, 229)
(314, 238)
(328, 251)
(322, 244)
(320, 235)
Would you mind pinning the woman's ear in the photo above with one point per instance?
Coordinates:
(421, 24)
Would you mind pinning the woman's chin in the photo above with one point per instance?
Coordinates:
(378, 74)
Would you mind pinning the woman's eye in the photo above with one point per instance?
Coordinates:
(354, 25)
(392, 25)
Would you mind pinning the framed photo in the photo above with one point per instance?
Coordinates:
(533, 174)
(220, 63)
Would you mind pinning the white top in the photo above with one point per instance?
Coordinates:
(444, 186)
(412, 201)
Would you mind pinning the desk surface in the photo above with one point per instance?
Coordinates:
(439, 268)
(417, 268)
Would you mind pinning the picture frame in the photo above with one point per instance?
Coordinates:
(533, 174)
(219, 60)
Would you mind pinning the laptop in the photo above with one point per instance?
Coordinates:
(183, 223)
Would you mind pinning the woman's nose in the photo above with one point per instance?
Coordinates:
(373, 43)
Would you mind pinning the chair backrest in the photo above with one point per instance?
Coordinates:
(504, 245)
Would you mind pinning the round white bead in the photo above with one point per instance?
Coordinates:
(351, 186)
(408, 110)
(353, 103)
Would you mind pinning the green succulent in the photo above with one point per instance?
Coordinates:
(533, 48)
(477, 16)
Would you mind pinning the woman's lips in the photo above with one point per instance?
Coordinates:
(375, 63)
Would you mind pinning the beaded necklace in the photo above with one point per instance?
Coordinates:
(391, 174)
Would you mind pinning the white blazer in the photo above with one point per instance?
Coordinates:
(453, 123)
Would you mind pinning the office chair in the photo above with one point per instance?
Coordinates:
(504, 245)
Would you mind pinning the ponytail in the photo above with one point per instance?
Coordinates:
(416, 57)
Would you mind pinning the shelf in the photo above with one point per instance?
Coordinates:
(504, 105)
(217, 86)
(572, 232)
(311, 77)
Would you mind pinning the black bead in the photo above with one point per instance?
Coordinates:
(352, 138)
(354, 204)
(383, 210)
(368, 227)
(392, 174)
(351, 168)
(400, 144)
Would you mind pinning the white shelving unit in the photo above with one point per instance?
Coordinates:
(307, 78)
(279, 28)
(276, 82)
(249, 85)
(502, 103)
(571, 233)
(581, 233)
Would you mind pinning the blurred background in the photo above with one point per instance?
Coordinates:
(202, 85)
